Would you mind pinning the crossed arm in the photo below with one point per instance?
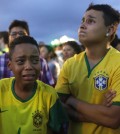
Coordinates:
(106, 114)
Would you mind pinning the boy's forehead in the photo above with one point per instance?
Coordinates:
(25, 47)
(93, 13)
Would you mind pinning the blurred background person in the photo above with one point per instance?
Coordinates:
(70, 48)
(59, 53)
(3, 42)
(48, 53)
(116, 42)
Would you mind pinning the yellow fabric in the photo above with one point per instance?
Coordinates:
(28, 117)
(90, 85)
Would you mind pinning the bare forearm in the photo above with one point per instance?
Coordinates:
(76, 116)
(73, 114)
(98, 114)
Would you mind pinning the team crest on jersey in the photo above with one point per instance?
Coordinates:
(37, 119)
(101, 81)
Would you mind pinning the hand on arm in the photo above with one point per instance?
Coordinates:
(76, 116)
(108, 98)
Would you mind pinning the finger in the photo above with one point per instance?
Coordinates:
(110, 93)
(109, 101)
(113, 92)
(109, 104)
(113, 95)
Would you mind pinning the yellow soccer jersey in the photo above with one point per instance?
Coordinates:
(90, 85)
(33, 115)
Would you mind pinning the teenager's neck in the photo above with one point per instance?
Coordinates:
(24, 92)
(96, 52)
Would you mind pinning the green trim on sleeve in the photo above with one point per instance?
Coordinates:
(57, 116)
(63, 95)
(117, 103)
(19, 131)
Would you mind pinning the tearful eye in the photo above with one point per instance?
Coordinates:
(35, 61)
(20, 62)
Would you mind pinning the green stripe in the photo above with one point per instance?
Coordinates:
(63, 95)
(88, 65)
(58, 116)
(117, 103)
(17, 97)
(19, 131)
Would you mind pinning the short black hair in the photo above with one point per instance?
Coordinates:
(110, 16)
(20, 40)
(5, 36)
(19, 23)
(77, 48)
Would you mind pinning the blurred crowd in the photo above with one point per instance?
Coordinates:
(55, 55)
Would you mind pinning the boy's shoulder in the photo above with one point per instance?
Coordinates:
(6, 83)
(45, 87)
(114, 54)
(48, 93)
(6, 80)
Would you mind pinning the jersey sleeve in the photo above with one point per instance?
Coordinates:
(115, 85)
(57, 116)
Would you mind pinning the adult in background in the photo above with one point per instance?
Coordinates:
(70, 48)
(116, 42)
(4, 42)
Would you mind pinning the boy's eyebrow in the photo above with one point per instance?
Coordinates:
(34, 56)
(20, 57)
(91, 16)
(23, 56)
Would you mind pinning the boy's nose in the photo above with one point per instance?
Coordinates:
(28, 65)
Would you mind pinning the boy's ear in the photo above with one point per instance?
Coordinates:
(112, 29)
(9, 65)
